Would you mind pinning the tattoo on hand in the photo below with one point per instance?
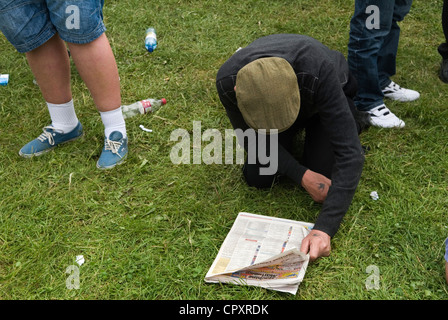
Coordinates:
(321, 186)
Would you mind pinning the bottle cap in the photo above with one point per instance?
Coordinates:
(163, 101)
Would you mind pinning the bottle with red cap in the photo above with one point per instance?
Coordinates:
(142, 107)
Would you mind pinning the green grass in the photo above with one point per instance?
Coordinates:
(150, 229)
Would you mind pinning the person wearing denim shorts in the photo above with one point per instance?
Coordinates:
(42, 30)
(372, 53)
(446, 260)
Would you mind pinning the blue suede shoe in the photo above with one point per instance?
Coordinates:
(49, 139)
(114, 152)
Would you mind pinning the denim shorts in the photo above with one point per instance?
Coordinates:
(28, 24)
(446, 249)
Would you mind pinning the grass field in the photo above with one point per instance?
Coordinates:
(150, 229)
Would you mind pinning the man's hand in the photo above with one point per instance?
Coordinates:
(316, 185)
(317, 244)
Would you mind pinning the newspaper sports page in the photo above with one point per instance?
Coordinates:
(262, 251)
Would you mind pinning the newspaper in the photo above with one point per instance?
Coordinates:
(262, 251)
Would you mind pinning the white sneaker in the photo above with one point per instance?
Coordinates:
(395, 92)
(382, 117)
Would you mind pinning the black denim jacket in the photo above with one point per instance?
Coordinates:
(321, 75)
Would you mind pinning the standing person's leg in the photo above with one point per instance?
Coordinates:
(27, 25)
(443, 47)
(446, 271)
(365, 44)
(446, 260)
(445, 20)
(387, 57)
(95, 62)
(97, 67)
(51, 67)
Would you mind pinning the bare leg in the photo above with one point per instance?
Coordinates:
(50, 65)
(97, 67)
(446, 272)
(96, 64)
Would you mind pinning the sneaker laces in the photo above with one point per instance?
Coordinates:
(113, 146)
(46, 135)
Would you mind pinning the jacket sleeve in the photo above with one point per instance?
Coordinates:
(340, 126)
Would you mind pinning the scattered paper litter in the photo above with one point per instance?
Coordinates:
(374, 195)
(144, 129)
(80, 259)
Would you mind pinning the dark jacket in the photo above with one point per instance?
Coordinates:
(321, 75)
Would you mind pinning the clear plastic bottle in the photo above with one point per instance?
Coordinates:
(151, 39)
(142, 107)
(4, 79)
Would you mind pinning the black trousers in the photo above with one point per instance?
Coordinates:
(317, 153)
(443, 48)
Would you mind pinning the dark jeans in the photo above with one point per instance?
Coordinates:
(372, 52)
(317, 151)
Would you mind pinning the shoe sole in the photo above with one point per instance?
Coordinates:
(112, 166)
(401, 99)
(388, 127)
(36, 154)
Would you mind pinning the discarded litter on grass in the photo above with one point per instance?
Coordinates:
(144, 129)
(374, 195)
(80, 259)
(4, 79)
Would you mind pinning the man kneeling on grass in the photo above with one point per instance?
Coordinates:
(279, 85)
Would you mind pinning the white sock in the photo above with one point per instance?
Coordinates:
(63, 116)
(113, 121)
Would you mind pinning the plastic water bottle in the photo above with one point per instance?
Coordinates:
(142, 107)
(151, 39)
(4, 79)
